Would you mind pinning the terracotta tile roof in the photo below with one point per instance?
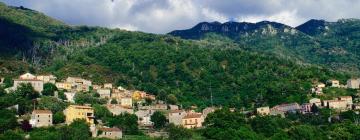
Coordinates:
(192, 115)
(345, 97)
(110, 129)
(42, 112)
(79, 106)
(26, 80)
(176, 111)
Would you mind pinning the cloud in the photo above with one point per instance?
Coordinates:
(162, 16)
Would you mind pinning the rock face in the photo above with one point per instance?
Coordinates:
(230, 29)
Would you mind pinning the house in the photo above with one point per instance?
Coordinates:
(337, 104)
(293, 107)
(320, 85)
(138, 95)
(104, 93)
(118, 109)
(356, 106)
(193, 120)
(110, 133)
(79, 112)
(28, 78)
(63, 85)
(41, 118)
(263, 111)
(353, 83)
(159, 107)
(70, 96)
(315, 101)
(176, 116)
(174, 107)
(144, 117)
(127, 101)
(118, 94)
(79, 84)
(348, 99)
(47, 78)
(275, 112)
(208, 110)
(1, 80)
(334, 83)
(108, 85)
(306, 108)
(151, 97)
(96, 87)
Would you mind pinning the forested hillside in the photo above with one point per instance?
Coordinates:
(177, 70)
(334, 45)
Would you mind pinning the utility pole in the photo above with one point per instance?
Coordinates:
(211, 96)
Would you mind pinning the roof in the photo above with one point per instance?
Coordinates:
(193, 115)
(176, 111)
(80, 106)
(42, 112)
(110, 129)
(345, 97)
(26, 80)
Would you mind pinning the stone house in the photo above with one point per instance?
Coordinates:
(176, 116)
(193, 120)
(353, 83)
(41, 118)
(104, 93)
(117, 109)
(263, 111)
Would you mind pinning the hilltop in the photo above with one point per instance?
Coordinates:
(330, 44)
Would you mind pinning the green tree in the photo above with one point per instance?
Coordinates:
(61, 95)
(52, 103)
(77, 130)
(179, 132)
(305, 132)
(159, 119)
(27, 91)
(7, 120)
(101, 111)
(8, 82)
(128, 122)
(59, 117)
(171, 99)
(49, 89)
(114, 101)
(11, 135)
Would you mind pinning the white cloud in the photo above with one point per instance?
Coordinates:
(162, 16)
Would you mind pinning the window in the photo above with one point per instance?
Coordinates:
(38, 120)
(38, 115)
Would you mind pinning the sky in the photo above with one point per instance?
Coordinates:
(163, 16)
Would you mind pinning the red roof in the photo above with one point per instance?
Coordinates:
(42, 112)
(193, 115)
(114, 129)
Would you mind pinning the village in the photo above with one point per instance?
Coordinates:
(120, 100)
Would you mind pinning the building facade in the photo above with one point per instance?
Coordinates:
(41, 118)
(79, 112)
(176, 116)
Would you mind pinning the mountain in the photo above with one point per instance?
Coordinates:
(229, 29)
(176, 70)
(330, 44)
